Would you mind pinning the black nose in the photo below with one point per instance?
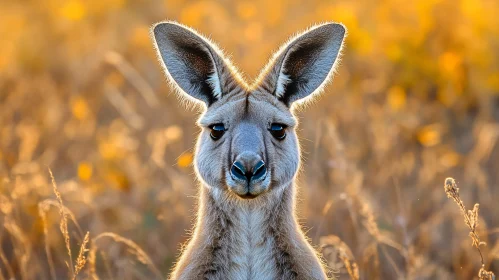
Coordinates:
(245, 169)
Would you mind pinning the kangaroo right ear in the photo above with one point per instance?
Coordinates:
(304, 65)
(190, 61)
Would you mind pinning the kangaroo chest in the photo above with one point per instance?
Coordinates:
(253, 247)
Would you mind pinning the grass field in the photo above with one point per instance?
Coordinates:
(415, 100)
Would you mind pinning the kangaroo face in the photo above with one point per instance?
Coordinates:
(248, 145)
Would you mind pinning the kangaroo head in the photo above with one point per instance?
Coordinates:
(248, 144)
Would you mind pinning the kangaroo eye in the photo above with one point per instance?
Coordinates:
(217, 131)
(278, 131)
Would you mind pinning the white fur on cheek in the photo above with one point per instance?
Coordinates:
(214, 82)
(282, 81)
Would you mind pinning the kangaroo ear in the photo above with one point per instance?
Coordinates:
(305, 64)
(191, 61)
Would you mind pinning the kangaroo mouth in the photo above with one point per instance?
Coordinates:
(247, 190)
(248, 195)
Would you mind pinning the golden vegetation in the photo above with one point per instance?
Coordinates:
(415, 100)
(471, 220)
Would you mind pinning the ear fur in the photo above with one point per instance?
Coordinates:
(305, 64)
(192, 62)
(298, 70)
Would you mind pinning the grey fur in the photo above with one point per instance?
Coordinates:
(259, 238)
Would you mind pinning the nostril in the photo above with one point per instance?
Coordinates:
(259, 170)
(238, 170)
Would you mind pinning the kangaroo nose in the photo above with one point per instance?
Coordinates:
(248, 167)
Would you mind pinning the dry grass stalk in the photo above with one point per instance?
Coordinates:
(135, 250)
(63, 224)
(485, 275)
(380, 238)
(42, 211)
(471, 220)
(350, 265)
(21, 243)
(107, 267)
(334, 250)
(91, 264)
(371, 256)
(81, 260)
(5, 261)
(6, 207)
(133, 76)
(370, 220)
(45, 206)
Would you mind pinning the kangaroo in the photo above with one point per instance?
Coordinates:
(247, 154)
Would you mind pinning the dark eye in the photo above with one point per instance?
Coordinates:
(217, 131)
(278, 131)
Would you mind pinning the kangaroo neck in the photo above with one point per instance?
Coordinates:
(248, 237)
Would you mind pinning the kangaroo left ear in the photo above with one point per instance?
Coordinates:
(191, 62)
(302, 66)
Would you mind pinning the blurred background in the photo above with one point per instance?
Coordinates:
(415, 100)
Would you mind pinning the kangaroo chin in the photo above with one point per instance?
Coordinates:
(247, 154)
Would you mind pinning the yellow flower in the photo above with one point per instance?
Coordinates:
(449, 63)
(185, 160)
(85, 171)
(108, 149)
(429, 136)
(396, 98)
(79, 107)
(73, 10)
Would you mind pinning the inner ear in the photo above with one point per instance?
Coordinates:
(302, 57)
(302, 66)
(196, 58)
(191, 62)
(203, 71)
(297, 70)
